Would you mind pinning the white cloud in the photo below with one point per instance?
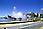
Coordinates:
(18, 14)
(25, 10)
(41, 8)
(29, 12)
(14, 8)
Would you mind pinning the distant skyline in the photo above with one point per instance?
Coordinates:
(7, 6)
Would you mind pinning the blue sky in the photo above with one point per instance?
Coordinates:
(6, 6)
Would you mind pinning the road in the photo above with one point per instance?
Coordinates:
(28, 26)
